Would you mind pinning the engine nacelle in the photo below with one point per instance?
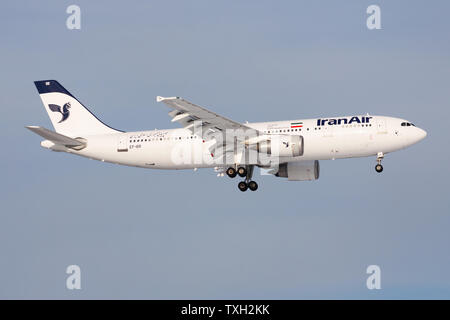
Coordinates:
(282, 146)
(299, 170)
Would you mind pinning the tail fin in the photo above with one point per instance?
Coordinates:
(68, 115)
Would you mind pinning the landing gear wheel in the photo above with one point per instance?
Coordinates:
(242, 186)
(252, 185)
(231, 172)
(242, 172)
(378, 168)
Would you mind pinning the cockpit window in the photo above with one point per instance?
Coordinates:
(407, 124)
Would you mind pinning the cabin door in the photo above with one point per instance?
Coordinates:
(123, 143)
(381, 125)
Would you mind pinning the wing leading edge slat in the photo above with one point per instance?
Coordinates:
(185, 113)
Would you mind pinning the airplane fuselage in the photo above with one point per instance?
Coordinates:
(286, 149)
(323, 139)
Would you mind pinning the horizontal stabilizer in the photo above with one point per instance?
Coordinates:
(56, 138)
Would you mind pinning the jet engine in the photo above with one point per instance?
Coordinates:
(299, 170)
(281, 146)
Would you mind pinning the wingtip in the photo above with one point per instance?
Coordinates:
(159, 98)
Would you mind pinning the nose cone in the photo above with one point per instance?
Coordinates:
(419, 135)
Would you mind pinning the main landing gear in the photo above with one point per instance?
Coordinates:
(246, 172)
(379, 167)
(231, 172)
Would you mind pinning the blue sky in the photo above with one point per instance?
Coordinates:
(148, 234)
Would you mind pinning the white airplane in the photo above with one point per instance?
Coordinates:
(289, 149)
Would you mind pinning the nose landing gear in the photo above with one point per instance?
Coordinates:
(379, 167)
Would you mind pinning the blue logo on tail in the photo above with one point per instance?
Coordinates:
(65, 110)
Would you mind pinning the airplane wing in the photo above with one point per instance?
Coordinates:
(186, 113)
(194, 118)
(56, 137)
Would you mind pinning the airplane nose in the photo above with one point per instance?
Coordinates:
(419, 134)
(422, 134)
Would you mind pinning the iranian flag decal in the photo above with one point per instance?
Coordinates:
(296, 124)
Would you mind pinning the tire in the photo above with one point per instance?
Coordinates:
(378, 168)
(242, 172)
(231, 172)
(252, 185)
(242, 186)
